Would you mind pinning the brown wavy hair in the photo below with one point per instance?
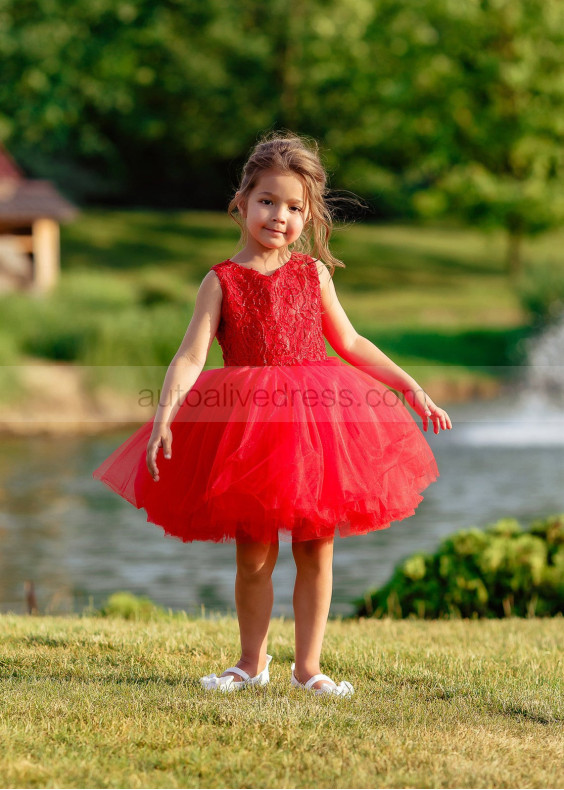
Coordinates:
(287, 152)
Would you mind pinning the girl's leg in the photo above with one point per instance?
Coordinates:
(312, 597)
(254, 597)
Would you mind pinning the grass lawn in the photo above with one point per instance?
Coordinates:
(435, 299)
(102, 702)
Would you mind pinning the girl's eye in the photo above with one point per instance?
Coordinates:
(267, 201)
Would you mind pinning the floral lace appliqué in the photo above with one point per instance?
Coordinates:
(270, 319)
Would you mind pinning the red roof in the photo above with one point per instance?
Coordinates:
(8, 168)
(24, 200)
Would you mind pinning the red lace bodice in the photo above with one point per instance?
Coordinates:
(270, 319)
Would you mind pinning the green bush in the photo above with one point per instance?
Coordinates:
(137, 336)
(540, 290)
(51, 328)
(155, 287)
(59, 338)
(132, 607)
(104, 325)
(496, 572)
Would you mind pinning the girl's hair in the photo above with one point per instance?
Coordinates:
(291, 153)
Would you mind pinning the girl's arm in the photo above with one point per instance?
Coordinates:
(359, 351)
(186, 366)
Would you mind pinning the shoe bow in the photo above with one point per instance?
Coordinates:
(212, 682)
(343, 689)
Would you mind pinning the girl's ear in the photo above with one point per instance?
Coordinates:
(241, 206)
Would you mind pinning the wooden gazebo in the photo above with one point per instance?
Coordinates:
(30, 213)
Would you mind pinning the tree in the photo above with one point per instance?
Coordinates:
(466, 115)
(427, 108)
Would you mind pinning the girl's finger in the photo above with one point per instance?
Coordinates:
(426, 420)
(153, 468)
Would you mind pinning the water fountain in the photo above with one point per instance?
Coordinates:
(531, 410)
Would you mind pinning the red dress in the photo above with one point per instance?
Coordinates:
(283, 441)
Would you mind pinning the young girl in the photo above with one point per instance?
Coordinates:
(284, 441)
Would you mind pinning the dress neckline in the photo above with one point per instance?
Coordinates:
(261, 274)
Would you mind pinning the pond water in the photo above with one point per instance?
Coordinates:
(80, 542)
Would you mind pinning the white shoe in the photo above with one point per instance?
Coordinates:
(343, 689)
(226, 683)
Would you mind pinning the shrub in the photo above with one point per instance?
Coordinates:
(496, 572)
(540, 290)
(131, 607)
(155, 287)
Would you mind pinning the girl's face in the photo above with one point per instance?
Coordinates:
(275, 212)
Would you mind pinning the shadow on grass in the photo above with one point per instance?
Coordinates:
(134, 240)
(375, 265)
(519, 713)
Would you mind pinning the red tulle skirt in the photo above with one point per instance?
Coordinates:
(295, 452)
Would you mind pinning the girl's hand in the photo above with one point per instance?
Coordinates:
(427, 410)
(160, 437)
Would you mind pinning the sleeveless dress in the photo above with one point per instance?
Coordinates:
(284, 441)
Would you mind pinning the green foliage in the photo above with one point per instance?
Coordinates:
(469, 103)
(480, 349)
(155, 288)
(425, 108)
(496, 572)
(122, 306)
(98, 318)
(48, 328)
(119, 302)
(541, 292)
(132, 607)
(108, 98)
(62, 325)
(137, 336)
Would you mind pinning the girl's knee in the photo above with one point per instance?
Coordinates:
(256, 559)
(313, 553)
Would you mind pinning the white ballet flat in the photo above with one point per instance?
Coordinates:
(227, 683)
(343, 689)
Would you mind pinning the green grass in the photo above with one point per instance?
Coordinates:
(92, 702)
(435, 299)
